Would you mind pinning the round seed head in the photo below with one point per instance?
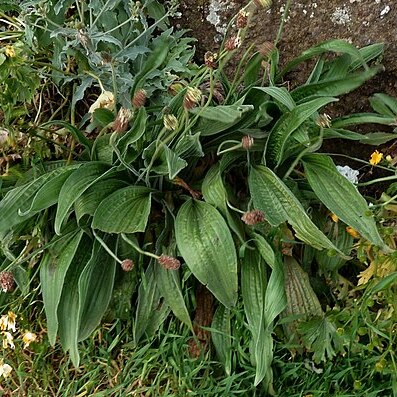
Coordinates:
(7, 281)
(127, 265)
(169, 262)
(253, 217)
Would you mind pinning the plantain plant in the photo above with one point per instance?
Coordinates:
(212, 180)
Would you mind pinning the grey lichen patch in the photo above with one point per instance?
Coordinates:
(341, 16)
(215, 10)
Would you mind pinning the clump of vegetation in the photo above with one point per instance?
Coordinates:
(193, 212)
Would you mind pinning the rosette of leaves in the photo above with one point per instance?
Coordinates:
(150, 191)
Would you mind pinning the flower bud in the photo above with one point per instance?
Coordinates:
(192, 98)
(170, 122)
(139, 98)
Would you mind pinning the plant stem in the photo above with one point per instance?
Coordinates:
(282, 22)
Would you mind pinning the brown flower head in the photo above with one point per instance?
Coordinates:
(192, 98)
(127, 265)
(210, 59)
(247, 142)
(232, 43)
(139, 98)
(169, 262)
(121, 122)
(242, 19)
(7, 282)
(253, 217)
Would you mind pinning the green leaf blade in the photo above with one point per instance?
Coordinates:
(205, 242)
(124, 211)
(340, 196)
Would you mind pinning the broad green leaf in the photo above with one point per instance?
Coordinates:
(53, 269)
(75, 186)
(362, 118)
(335, 87)
(343, 241)
(279, 204)
(189, 145)
(338, 46)
(48, 194)
(213, 189)
(280, 94)
(264, 249)
(209, 123)
(224, 113)
(124, 211)
(76, 133)
(253, 289)
(175, 164)
(221, 337)
(286, 125)
(384, 104)
(214, 193)
(136, 131)
(69, 305)
(386, 282)
(21, 278)
(372, 138)
(103, 117)
(169, 285)
(149, 312)
(205, 242)
(252, 69)
(368, 53)
(340, 196)
(88, 202)
(22, 197)
(95, 288)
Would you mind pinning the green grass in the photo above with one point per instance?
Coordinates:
(112, 365)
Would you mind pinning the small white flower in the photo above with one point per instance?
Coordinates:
(350, 174)
(105, 100)
(5, 369)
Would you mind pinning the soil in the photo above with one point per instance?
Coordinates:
(360, 22)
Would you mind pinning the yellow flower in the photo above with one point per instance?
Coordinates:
(11, 321)
(5, 369)
(9, 51)
(376, 157)
(3, 322)
(27, 338)
(334, 218)
(8, 340)
(354, 233)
